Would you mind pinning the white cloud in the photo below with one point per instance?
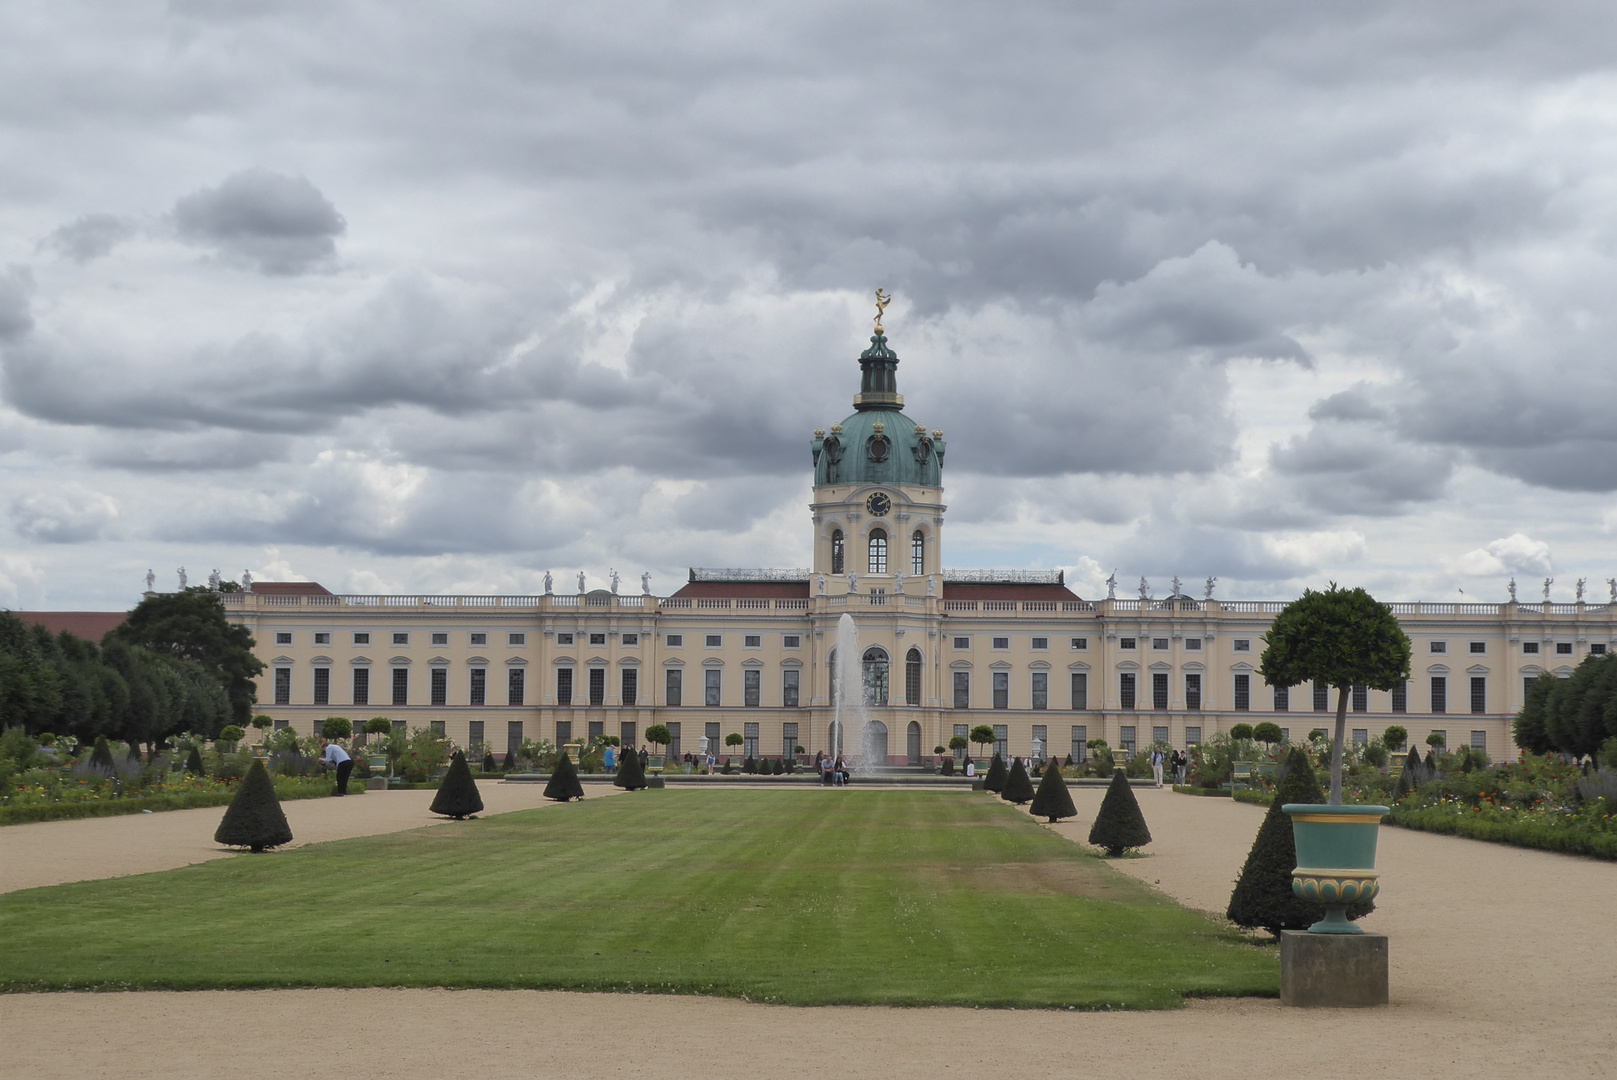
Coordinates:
(1517, 553)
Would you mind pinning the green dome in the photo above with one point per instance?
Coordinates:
(878, 444)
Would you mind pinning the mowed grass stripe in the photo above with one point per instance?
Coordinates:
(802, 897)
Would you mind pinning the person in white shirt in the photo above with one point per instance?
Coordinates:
(335, 755)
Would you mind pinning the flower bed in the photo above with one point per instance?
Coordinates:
(1587, 829)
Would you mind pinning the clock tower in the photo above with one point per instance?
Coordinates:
(878, 490)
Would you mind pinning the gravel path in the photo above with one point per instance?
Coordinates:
(1503, 962)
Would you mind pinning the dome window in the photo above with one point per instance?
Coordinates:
(838, 547)
(918, 553)
(878, 551)
(879, 446)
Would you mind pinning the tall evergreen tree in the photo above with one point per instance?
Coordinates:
(191, 625)
(193, 762)
(1263, 896)
(457, 796)
(564, 783)
(631, 775)
(995, 780)
(101, 756)
(1018, 785)
(254, 819)
(1053, 800)
(1119, 825)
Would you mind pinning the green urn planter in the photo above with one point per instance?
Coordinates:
(1336, 859)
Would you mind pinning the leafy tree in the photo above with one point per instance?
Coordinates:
(734, 739)
(1575, 720)
(1119, 825)
(982, 735)
(1267, 733)
(1241, 732)
(659, 736)
(1263, 896)
(1531, 730)
(564, 783)
(1343, 638)
(191, 625)
(958, 742)
(254, 818)
(630, 777)
(1018, 786)
(1396, 737)
(457, 796)
(1053, 800)
(1437, 740)
(378, 725)
(336, 727)
(995, 780)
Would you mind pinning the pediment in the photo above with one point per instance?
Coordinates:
(320, 660)
(516, 661)
(1077, 665)
(791, 662)
(283, 660)
(361, 661)
(400, 661)
(751, 662)
(673, 661)
(713, 661)
(478, 660)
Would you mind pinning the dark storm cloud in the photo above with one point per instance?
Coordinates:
(281, 224)
(1354, 468)
(90, 236)
(16, 315)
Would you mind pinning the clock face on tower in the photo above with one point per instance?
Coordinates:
(878, 504)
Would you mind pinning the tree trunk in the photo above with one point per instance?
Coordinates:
(1336, 746)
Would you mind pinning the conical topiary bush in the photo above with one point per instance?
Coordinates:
(254, 819)
(631, 774)
(1053, 800)
(947, 768)
(1263, 896)
(995, 780)
(1018, 785)
(1119, 825)
(193, 762)
(101, 756)
(457, 796)
(564, 782)
(489, 764)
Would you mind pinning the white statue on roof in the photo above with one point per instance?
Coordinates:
(581, 581)
(1207, 594)
(1145, 590)
(246, 581)
(1512, 588)
(822, 584)
(550, 583)
(645, 583)
(1111, 586)
(181, 572)
(615, 580)
(1581, 583)
(213, 580)
(1547, 583)
(151, 580)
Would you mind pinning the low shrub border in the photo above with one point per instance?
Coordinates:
(1256, 798)
(1209, 792)
(1540, 835)
(23, 815)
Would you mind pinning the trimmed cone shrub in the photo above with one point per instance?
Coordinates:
(254, 819)
(1053, 800)
(564, 782)
(947, 768)
(995, 780)
(457, 796)
(1018, 786)
(1119, 825)
(779, 768)
(489, 764)
(1263, 896)
(101, 756)
(631, 776)
(193, 762)
(1408, 780)
(750, 765)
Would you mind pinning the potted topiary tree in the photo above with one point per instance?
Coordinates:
(229, 736)
(457, 796)
(1342, 638)
(336, 727)
(379, 726)
(254, 819)
(982, 735)
(1267, 733)
(659, 736)
(1119, 825)
(731, 741)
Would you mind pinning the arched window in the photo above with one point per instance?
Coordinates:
(918, 553)
(836, 551)
(878, 551)
(875, 661)
(912, 677)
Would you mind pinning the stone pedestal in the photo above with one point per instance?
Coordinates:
(1333, 971)
(376, 783)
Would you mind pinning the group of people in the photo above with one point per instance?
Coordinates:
(1177, 762)
(832, 773)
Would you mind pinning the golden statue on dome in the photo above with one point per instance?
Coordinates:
(882, 300)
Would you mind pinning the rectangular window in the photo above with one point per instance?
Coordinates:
(1361, 698)
(1193, 691)
(1479, 693)
(628, 735)
(1041, 689)
(564, 686)
(961, 731)
(1322, 697)
(437, 727)
(962, 643)
(789, 688)
(479, 688)
(1041, 644)
(597, 639)
(1080, 743)
(714, 641)
(676, 641)
(283, 686)
(474, 735)
(1159, 644)
(1193, 644)
(440, 686)
(283, 638)
(322, 639)
(1126, 740)
(401, 686)
(1126, 644)
(362, 639)
(1002, 643)
(1159, 689)
(1438, 647)
(322, 686)
(564, 639)
(479, 639)
(597, 686)
(749, 737)
(1243, 692)
(1479, 741)
(1479, 648)
(564, 732)
(1530, 648)
(1597, 649)
(1241, 644)
(1002, 689)
(752, 681)
(673, 687)
(631, 640)
(673, 738)
(596, 729)
(1282, 699)
(1400, 698)
(1159, 734)
(711, 680)
(1193, 736)
(1440, 693)
(1563, 648)
(522, 639)
(791, 641)
(1002, 740)
(1080, 644)
(962, 689)
(1361, 736)
(1080, 689)
(401, 639)
(788, 740)
(516, 686)
(1443, 736)
(752, 641)
(440, 639)
(362, 686)
(1125, 690)
(513, 738)
(630, 686)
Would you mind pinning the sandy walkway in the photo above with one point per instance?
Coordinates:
(1503, 963)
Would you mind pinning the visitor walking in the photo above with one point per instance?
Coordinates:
(645, 758)
(332, 754)
(1156, 765)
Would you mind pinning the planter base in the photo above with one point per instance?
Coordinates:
(1333, 971)
(376, 783)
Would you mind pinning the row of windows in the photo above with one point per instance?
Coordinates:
(876, 552)
(748, 641)
(402, 638)
(1358, 696)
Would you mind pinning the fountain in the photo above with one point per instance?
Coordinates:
(848, 698)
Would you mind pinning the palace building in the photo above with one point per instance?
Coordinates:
(752, 651)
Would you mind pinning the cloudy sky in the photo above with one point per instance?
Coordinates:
(437, 297)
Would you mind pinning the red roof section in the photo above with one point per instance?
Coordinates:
(90, 625)
(290, 588)
(773, 590)
(953, 590)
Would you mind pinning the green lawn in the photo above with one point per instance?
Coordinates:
(804, 897)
